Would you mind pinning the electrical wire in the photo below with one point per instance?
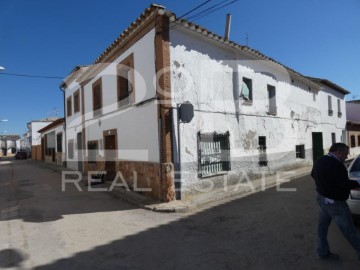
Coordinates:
(30, 76)
(199, 6)
(210, 10)
(194, 17)
(204, 13)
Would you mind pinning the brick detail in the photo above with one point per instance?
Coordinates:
(36, 152)
(98, 166)
(163, 87)
(141, 175)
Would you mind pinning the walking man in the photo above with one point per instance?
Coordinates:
(333, 188)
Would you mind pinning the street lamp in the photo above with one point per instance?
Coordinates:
(2, 68)
(4, 120)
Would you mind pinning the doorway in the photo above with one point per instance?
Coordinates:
(317, 142)
(79, 151)
(110, 153)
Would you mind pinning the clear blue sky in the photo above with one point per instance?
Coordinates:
(318, 38)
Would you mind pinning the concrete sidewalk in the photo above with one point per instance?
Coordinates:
(207, 198)
(215, 196)
(202, 199)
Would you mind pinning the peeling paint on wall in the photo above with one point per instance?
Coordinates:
(249, 140)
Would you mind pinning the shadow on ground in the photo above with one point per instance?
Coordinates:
(35, 195)
(268, 230)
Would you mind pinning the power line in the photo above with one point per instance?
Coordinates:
(30, 76)
(210, 10)
(205, 12)
(199, 6)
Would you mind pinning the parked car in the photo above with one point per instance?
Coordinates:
(21, 155)
(354, 198)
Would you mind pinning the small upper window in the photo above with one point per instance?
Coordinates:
(125, 81)
(330, 106)
(68, 107)
(300, 151)
(97, 97)
(272, 99)
(76, 102)
(246, 89)
(339, 108)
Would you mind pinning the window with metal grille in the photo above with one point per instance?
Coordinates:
(262, 151)
(300, 151)
(339, 108)
(213, 153)
(92, 151)
(330, 111)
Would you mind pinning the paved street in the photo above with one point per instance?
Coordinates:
(44, 228)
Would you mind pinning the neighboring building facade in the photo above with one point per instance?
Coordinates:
(353, 126)
(180, 105)
(34, 138)
(9, 144)
(52, 142)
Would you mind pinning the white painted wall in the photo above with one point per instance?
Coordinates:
(208, 74)
(51, 135)
(35, 127)
(332, 123)
(137, 127)
(353, 112)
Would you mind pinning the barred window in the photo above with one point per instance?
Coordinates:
(300, 151)
(213, 153)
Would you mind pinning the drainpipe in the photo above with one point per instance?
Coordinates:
(62, 89)
(160, 157)
(178, 169)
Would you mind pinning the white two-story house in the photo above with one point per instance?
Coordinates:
(170, 105)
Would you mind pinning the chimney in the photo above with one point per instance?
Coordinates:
(227, 26)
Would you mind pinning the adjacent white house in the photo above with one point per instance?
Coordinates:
(34, 138)
(53, 142)
(170, 105)
(353, 126)
(9, 144)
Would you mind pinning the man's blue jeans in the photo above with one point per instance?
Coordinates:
(339, 212)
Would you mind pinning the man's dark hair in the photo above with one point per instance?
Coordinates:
(338, 147)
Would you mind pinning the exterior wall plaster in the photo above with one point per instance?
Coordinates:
(209, 76)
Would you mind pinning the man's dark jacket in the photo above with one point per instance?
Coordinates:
(331, 178)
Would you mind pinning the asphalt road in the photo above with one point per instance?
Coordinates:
(42, 227)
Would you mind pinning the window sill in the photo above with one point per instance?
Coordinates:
(123, 105)
(213, 175)
(247, 102)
